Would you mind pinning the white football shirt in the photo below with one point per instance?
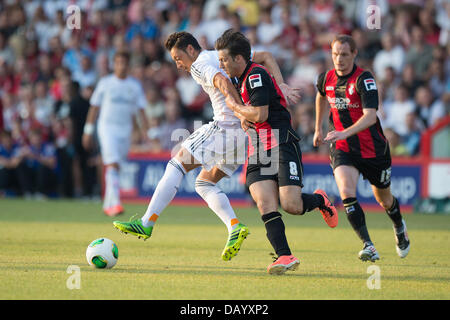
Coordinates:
(203, 71)
(118, 99)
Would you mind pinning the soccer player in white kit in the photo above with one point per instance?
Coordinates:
(218, 146)
(116, 100)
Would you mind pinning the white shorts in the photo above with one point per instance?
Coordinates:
(113, 148)
(220, 144)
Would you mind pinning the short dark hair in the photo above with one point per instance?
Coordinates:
(181, 40)
(343, 38)
(122, 54)
(236, 43)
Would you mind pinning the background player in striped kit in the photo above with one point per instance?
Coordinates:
(357, 142)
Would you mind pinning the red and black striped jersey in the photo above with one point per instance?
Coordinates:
(257, 87)
(347, 96)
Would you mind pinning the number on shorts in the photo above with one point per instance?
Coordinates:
(293, 168)
(386, 175)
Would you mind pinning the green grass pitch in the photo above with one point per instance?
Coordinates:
(40, 240)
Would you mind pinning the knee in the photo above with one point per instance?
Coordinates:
(266, 206)
(292, 207)
(347, 193)
(203, 187)
(385, 202)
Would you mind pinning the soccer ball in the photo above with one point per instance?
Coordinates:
(102, 253)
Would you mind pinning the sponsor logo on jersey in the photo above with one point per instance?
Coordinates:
(255, 81)
(370, 84)
(342, 103)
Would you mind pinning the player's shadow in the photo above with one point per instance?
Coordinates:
(202, 270)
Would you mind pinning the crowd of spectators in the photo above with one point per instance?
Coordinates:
(49, 69)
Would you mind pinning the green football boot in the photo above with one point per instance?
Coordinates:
(134, 227)
(234, 242)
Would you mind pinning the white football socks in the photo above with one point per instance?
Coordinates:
(165, 191)
(112, 187)
(217, 201)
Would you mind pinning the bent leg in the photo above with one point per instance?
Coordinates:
(390, 204)
(167, 187)
(205, 186)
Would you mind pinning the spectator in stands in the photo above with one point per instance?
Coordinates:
(397, 111)
(155, 106)
(171, 130)
(72, 57)
(411, 139)
(6, 53)
(428, 109)
(392, 55)
(304, 121)
(248, 11)
(86, 75)
(420, 53)
(410, 80)
(395, 144)
(10, 112)
(84, 169)
(429, 26)
(143, 26)
(192, 96)
(43, 103)
(437, 78)
(388, 84)
(267, 30)
(36, 169)
(8, 164)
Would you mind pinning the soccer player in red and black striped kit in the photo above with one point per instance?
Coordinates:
(274, 171)
(357, 143)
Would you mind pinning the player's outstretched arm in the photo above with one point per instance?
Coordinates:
(266, 59)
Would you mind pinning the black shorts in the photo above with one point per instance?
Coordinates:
(286, 169)
(376, 170)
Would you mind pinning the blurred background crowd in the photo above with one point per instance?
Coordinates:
(48, 72)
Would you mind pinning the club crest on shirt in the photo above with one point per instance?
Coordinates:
(370, 84)
(255, 81)
(351, 88)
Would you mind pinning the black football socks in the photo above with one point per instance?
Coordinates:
(355, 216)
(395, 215)
(276, 233)
(312, 201)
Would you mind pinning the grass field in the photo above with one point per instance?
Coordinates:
(40, 240)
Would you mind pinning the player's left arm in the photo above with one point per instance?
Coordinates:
(367, 89)
(266, 59)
